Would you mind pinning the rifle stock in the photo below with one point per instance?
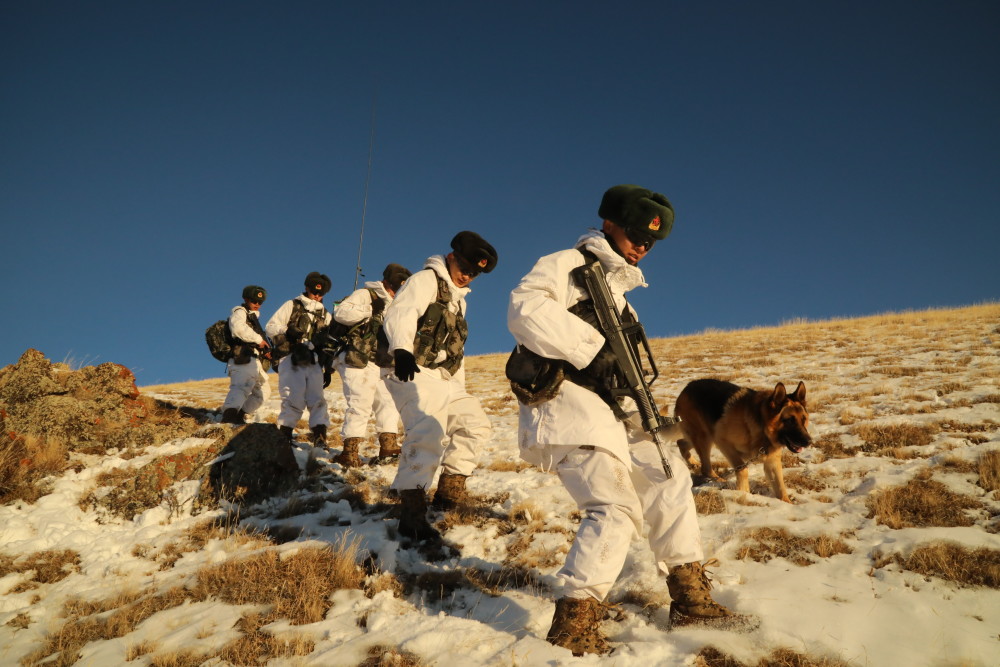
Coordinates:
(624, 341)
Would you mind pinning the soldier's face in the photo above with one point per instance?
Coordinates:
(462, 273)
(631, 251)
(253, 305)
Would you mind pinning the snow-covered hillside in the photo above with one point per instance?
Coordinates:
(906, 402)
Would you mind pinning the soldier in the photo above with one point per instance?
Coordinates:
(301, 375)
(424, 337)
(364, 386)
(567, 423)
(248, 385)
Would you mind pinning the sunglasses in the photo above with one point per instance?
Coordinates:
(639, 238)
(466, 268)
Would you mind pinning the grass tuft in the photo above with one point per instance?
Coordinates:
(921, 503)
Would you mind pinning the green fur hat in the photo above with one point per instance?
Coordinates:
(396, 275)
(254, 293)
(634, 207)
(474, 249)
(317, 283)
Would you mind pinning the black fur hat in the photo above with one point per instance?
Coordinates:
(633, 207)
(254, 293)
(474, 249)
(317, 283)
(396, 275)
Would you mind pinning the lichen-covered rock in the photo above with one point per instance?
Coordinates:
(148, 487)
(28, 379)
(92, 409)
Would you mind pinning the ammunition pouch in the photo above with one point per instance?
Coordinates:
(533, 378)
(355, 359)
(242, 353)
(302, 355)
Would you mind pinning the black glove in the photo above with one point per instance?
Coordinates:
(327, 377)
(406, 365)
(603, 369)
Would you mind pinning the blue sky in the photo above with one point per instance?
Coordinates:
(825, 159)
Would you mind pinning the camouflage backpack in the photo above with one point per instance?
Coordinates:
(220, 340)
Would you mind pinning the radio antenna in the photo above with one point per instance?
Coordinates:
(364, 207)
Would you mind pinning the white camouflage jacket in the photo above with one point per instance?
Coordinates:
(538, 317)
(418, 292)
(357, 306)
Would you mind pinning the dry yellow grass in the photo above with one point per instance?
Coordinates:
(763, 544)
(989, 470)
(297, 587)
(923, 503)
(881, 437)
(966, 567)
(782, 657)
(25, 462)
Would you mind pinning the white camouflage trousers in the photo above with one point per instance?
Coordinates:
(445, 427)
(614, 503)
(301, 388)
(248, 386)
(365, 393)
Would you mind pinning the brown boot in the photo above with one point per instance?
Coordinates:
(413, 516)
(319, 436)
(576, 625)
(388, 449)
(692, 602)
(349, 456)
(451, 492)
(231, 416)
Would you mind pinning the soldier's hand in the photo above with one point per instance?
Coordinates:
(406, 365)
(603, 367)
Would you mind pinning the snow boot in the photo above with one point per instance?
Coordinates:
(451, 493)
(242, 416)
(388, 449)
(288, 433)
(413, 516)
(576, 625)
(692, 603)
(349, 456)
(319, 436)
(231, 416)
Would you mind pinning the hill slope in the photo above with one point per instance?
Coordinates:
(889, 555)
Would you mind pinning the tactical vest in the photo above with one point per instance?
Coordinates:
(243, 351)
(360, 340)
(303, 326)
(437, 329)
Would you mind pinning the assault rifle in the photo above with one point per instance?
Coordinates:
(624, 341)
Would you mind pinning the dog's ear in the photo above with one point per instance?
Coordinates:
(800, 393)
(779, 397)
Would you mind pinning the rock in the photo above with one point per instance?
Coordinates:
(262, 465)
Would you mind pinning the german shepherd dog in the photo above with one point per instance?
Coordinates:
(745, 424)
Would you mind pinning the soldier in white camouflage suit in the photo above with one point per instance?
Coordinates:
(567, 424)
(248, 385)
(365, 391)
(301, 375)
(424, 337)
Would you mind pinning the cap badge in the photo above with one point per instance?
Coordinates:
(482, 263)
(654, 224)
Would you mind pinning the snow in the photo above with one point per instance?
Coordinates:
(839, 607)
